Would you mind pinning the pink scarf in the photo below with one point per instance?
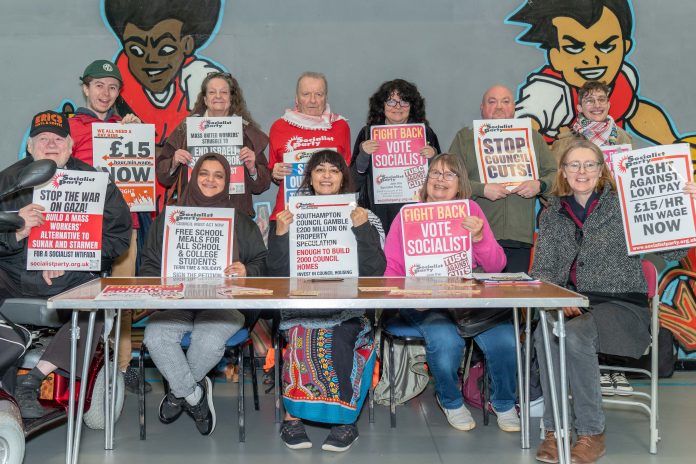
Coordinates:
(600, 133)
(305, 121)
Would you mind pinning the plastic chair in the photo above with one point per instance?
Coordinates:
(236, 342)
(649, 400)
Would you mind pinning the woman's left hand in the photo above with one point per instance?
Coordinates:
(474, 225)
(236, 269)
(130, 118)
(690, 189)
(248, 157)
(427, 151)
(358, 216)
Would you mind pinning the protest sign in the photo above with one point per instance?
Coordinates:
(657, 215)
(71, 237)
(297, 160)
(435, 242)
(222, 135)
(197, 241)
(142, 292)
(612, 152)
(504, 151)
(398, 169)
(127, 152)
(322, 243)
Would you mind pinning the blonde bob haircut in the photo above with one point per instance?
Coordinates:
(561, 188)
(453, 163)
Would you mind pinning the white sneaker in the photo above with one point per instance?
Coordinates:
(508, 421)
(606, 384)
(459, 418)
(621, 384)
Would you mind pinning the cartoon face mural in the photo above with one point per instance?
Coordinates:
(162, 74)
(585, 40)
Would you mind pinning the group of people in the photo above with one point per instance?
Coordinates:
(328, 363)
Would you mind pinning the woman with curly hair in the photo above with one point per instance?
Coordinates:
(220, 96)
(395, 102)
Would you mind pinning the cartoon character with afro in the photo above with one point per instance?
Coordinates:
(162, 74)
(585, 40)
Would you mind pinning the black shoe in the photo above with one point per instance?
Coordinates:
(204, 412)
(170, 408)
(340, 438)
(27, 396)
(293, 434)
(132, 379)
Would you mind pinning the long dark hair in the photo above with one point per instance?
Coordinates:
(407, 92)
(238, 105)
(334, 159)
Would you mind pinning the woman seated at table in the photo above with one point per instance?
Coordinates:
(395, 102)
(494, 334)
(190, 388)
(220, 95)
(330, 356)
(582, 246)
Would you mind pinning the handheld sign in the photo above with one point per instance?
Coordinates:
(398, 169)
(127, 152)
(435, 242)
(222, 135)
(197, 241)
(657, 215)
(297, 159)
(504, 151)
(322, 243)
(71, 237)
(612, 152)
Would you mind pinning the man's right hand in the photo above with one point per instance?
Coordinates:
(280, 170)
(181, 156)
(495, 191)
(33, 217)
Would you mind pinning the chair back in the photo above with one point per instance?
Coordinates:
(650, 273)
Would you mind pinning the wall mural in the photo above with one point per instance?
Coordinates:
(592, 40)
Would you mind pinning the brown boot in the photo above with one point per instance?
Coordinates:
(587, 449)
(548, 451)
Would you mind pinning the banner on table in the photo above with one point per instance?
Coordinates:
(197, 241)
(435, 242)
(142, 292)
(398, 168)
(657, 215)
(221, 135)
(297, 159)
(71, 237)
(127, 152)
(322, 243)
(504, 151)
(612, 152)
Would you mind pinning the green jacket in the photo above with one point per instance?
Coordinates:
(511, 218)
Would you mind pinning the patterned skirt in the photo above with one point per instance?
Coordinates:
(323, 371)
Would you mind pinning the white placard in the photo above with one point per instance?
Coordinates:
(504, 151)
(612, 152)
(297, 160)
(197, 241)
(322, 243)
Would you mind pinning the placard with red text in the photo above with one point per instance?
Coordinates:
(504, 151)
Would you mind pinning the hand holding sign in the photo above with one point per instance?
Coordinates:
(130, 118)
(280, 170)
(283, 221)
(181, 156)
(370, 146)
(528, 189)
(427, 151)
(248, 157)
(495, 192)
(474, 225)
(358, 216)
(690, 189)
(33, 217)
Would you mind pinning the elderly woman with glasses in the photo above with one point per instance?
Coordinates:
(582, 246)
(395, 102)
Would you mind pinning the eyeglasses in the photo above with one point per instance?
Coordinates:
(448, 176)
(595, 101)
(589, 166)
(402, 103)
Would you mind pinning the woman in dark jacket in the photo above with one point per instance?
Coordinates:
(190, 388)
(395, 102)
(328, 362)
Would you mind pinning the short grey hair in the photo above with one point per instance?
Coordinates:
(313, 75)
(30, 143)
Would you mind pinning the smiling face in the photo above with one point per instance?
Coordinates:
(396, 114)
(595, 53)
(47, 145)
(211, 178)
(217, 97)
(595, 106)
(582, 182)
(156, 56)
(311, 96)
(326, 179)
(101, 94)
(498, 103)
(438, 187)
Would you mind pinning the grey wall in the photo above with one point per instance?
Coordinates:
(452, 49)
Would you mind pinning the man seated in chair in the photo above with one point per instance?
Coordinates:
(49, 138)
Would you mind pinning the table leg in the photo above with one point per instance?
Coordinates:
(527, 369)
(109, 444)
(83, 387)
(560, 329)
(552, 384)
(107, 377)
(74, 335)
(521, 376)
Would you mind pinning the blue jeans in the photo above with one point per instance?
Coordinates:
(444, 353)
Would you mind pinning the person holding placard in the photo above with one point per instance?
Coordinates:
(220, 96)
(510, 212)
(190, 388)
(395, 102)
(342, 343)
(593, 122)
(495, 335)
(582, 246)
(49, 138)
